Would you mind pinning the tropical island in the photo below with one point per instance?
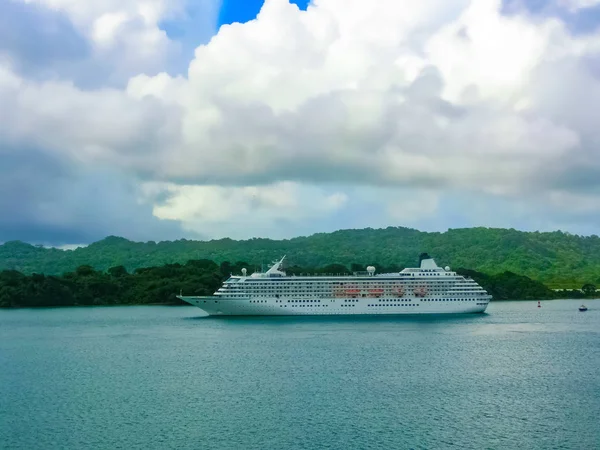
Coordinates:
(509, 264)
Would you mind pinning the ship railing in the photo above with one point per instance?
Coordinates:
(320, 275)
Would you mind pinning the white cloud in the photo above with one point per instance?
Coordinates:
(336, 94)
(432, 96)
(492, 53)
(219, 211)
(102, 126)
(69, 246)
(101, 19)
(125, 36)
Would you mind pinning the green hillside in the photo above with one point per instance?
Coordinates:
(557, 259)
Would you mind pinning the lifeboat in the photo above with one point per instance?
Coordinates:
(420, 291)
(376, 292)
(352, 292)
(398, 291)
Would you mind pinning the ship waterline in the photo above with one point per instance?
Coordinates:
(231, 307)
(428, 289)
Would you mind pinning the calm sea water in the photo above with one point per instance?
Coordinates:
(165, 377)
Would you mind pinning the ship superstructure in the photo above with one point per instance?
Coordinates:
(428, 289)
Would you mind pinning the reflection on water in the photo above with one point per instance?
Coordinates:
(400, 318)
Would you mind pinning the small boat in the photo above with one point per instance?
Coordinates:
(583, 308)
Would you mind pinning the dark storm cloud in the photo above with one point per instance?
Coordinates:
(573, 177)
(47, 200)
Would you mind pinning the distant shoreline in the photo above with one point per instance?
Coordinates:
(92, 306)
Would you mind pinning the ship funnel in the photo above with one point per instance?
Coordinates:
(427, 262)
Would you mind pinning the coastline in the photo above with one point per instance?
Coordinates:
(5, 308)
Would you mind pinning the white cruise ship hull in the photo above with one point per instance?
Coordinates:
(220, 306)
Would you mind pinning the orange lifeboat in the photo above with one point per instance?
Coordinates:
(376, 292)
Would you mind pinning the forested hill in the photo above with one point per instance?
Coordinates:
(557, 259)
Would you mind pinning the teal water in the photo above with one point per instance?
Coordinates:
(165, 377)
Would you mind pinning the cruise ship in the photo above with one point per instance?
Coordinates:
(428, 289)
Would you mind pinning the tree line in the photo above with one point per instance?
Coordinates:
(161, 284)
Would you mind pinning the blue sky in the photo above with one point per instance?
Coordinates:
(245, 10)
(433, 115)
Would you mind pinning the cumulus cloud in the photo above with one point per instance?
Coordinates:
(238, 212)
(101, 126)
(284, 116)
(124, 33)
(408, 94)
(98, 42)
